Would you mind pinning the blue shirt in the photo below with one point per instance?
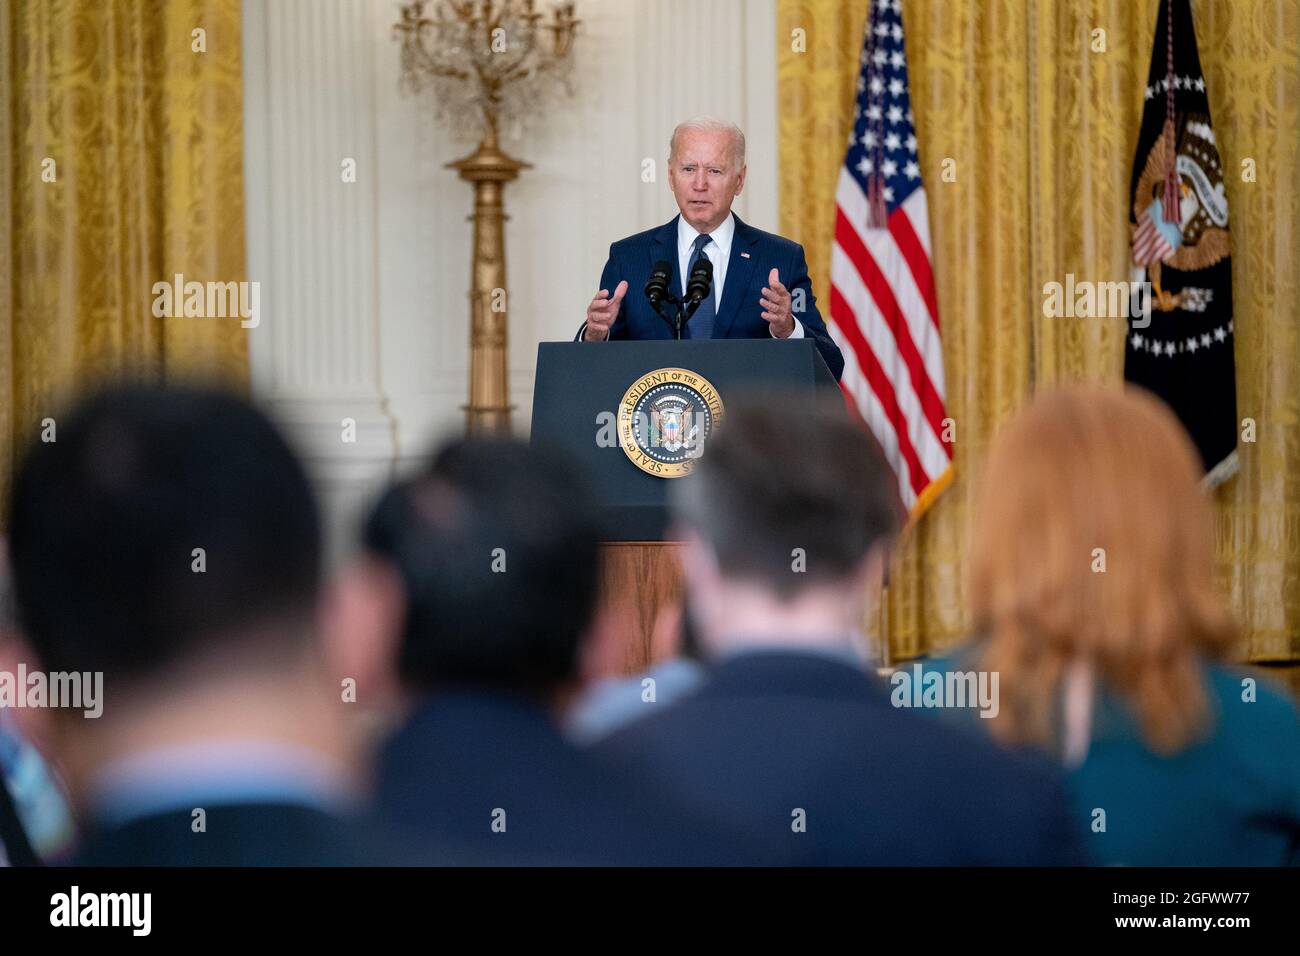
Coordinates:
(612, 704)
(217, 772)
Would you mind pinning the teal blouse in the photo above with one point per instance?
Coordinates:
(1230, 799)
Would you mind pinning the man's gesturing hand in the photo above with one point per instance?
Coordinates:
(602, 312)
(776, 306)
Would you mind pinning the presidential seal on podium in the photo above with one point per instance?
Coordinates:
(665, 419)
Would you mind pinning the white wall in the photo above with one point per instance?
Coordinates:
(364, 285)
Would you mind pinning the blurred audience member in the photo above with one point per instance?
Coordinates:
(168, 544)
(35, 820)
(495, 549)
(1093, 597)
(15, 847)
(787, 522)
(610, 699)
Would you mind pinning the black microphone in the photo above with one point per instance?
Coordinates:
(699, 281)
(656, 289)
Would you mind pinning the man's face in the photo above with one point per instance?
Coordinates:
(704, 177)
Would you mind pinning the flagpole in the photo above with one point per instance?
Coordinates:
(882, 614)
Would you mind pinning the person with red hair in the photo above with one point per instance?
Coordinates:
(1093, 600)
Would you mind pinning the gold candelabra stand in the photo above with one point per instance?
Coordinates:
(488, 62)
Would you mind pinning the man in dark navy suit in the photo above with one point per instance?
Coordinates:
(760, 285)
(169, 541)
(786, 525)
(494, 556)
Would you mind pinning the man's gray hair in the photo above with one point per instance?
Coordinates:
(711, 124)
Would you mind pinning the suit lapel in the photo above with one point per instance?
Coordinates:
(739, 270)
(664, 247)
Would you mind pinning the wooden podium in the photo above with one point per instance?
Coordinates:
(635, 415)
(643, 580)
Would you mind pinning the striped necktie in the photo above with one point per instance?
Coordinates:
(701, 324)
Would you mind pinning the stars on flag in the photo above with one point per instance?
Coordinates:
(1180, 83)
(885, 287)
(883, 143)
(1172, 347)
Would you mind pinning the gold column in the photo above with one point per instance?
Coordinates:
(488, 169)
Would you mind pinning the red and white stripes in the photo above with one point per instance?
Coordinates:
(886, 322)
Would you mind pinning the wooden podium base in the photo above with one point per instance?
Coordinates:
(641, 580)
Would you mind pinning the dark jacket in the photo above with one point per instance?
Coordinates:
(254, 834)
(783, 741)
(491, 771)
(1232, 798)
(754, 254)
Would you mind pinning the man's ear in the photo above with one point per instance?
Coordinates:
(362, 618)
(703, 585)
(740, 183)
(866, 581)
(872, 569)
(699, 561)
(603, 653)
(666, 634)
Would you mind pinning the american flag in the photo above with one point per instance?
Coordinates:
(1154, 239)
(884, 315)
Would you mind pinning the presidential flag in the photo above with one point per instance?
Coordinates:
(884, 316)
(1183, 351)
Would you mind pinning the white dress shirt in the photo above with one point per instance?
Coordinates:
(718, 249)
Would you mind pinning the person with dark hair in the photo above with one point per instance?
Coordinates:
(787, 521)
(495, 552)
(168, 544)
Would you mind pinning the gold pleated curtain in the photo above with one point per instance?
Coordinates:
(121, 164)
(1042, 130)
